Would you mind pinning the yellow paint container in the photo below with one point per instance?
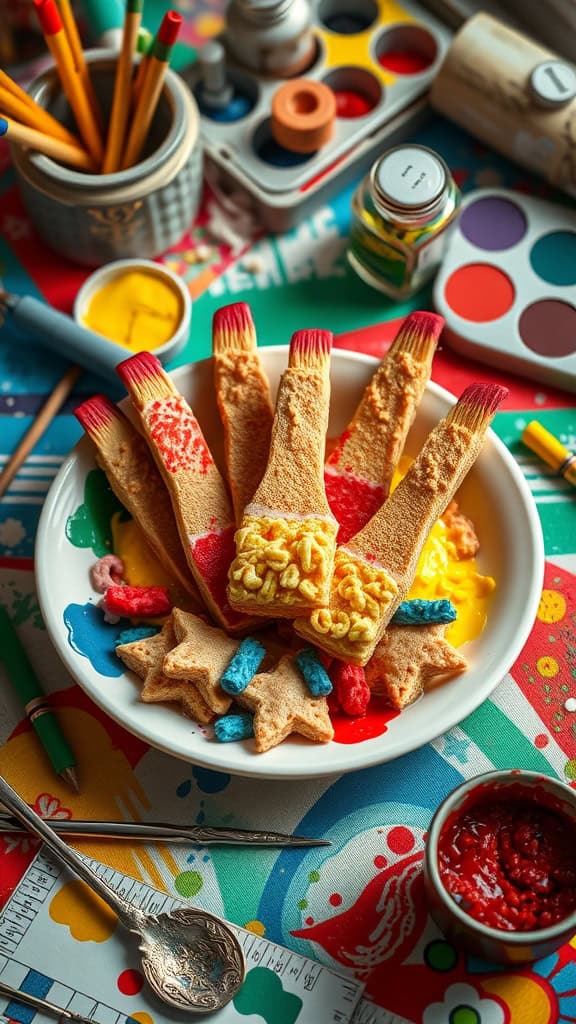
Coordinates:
(139, 305)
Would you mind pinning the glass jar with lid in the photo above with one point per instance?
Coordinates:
(271, 37)
(401, 213)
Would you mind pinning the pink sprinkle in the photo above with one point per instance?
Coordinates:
(107, 571)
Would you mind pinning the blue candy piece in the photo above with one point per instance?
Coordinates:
(128, 636)
(233, 727)
(421, 613)
(315, 675)
(243, 666)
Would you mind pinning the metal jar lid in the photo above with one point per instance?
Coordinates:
(409, 180)
(553, 84)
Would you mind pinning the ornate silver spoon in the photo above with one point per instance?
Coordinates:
(191, 959)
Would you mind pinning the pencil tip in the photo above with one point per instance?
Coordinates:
(69, 776)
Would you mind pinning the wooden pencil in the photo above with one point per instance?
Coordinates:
(73, 156)
(122, 88)
(43, 420)
(75, 44)
(53, 31)
(11, 86)
(152, 87)
(35, 117)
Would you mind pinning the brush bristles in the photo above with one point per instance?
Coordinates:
(96, 416)
(310, 350)
(144, 378)
(233, 329)
(477, 406)
(418, 335)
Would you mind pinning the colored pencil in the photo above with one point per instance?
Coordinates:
(144, 48)
(550, 450)
(75, 44)
(41, 716)
(32, 139)
(47, 413)
(374, 571)
(11, 86)
(35, 117)
(152, 87)
(122, 88)
(57, 42)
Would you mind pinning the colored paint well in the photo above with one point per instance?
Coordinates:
(405, 62)
(479, 292)
(272, 153)
(347, 17)
(553, 258)
(549, 328)
(351, 104)
(493, 223)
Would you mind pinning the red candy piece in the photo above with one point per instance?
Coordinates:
(351, 689)
(132, 601)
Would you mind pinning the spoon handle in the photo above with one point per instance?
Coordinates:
(128, 916)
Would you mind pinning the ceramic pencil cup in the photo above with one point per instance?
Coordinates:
(138, 212)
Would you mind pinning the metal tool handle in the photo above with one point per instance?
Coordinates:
(129, 917)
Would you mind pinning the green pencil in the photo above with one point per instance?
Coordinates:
(41, 716)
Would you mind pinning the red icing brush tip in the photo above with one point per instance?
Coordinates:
(95, 413)
(138, 368)
(308, 348)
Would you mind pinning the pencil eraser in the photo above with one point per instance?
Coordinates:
(170, 27)
(48, 16)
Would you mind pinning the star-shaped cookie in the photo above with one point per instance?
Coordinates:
(406, 658)
(282, 704)
(201, 655)
(146, 658)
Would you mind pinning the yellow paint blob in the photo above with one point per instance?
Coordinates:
(142, 1017)
(441, 574)
(525, 999)
(552, 607)
(141, 567)
(547, 667)
(84, 913)
(139, 310)
(256, 927)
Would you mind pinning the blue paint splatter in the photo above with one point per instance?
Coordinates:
(209, 781)
(184, 788)
(92, 637)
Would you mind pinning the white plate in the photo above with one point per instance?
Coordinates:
(494, 494)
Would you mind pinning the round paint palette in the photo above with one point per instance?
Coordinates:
(507, 286)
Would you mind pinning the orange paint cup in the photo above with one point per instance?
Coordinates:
(303, 115)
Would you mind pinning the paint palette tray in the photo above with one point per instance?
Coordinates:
(507, 286)
(379, 58)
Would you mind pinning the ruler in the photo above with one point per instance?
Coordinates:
(39, 955)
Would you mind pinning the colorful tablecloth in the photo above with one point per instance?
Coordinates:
(329, 902)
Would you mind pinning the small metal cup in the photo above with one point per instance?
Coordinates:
(492, 944)
(140, 212)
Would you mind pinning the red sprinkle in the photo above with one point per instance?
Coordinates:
(352, 690)
(510, 863)
(131, 601)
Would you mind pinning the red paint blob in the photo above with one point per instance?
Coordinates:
(213, 554)
(335, 899)
(510, 863)
(356, 730)
(479, 292)
(400, 839)
(541, 741)
(353, 501)
(380, 861)
(405, 62)
(308, 920)
(130, 982)
(351, 104)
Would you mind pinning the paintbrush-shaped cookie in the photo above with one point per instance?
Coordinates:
(243, 396)
(133, 476)
(197, 491)
(359, 470)
(374, 571)
(287, 538)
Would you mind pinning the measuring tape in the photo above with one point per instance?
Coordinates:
(328, 997)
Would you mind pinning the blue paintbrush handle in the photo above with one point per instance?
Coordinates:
(61, 334)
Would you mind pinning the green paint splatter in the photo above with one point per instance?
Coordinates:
(188, 883)
(89, 526)
(262, 993)
(570, 769)
(441, 956)
(302, 904)
(314, 876)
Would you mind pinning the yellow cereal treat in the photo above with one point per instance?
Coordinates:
(376, 569)
(286, 541)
